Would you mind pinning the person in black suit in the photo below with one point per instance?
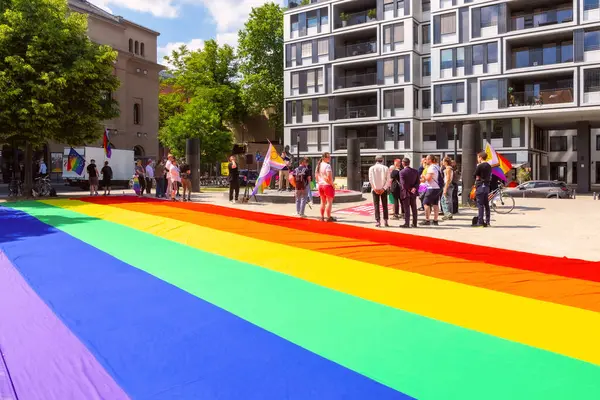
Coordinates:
(409, 181)
(234, 179)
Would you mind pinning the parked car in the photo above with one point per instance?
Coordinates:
(541, 189)
(248, 177)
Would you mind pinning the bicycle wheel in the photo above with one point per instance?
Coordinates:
(503, 203)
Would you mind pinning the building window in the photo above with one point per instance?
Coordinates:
(323, 47)
(489, 90)
(324, 106)
(390, 132)
(307, 108)
(324, 16)
(293, 111)
(574, 172)
(478, 54)
(574, 143)
(446, 56)
(312, 136)
(591, 80)
(388, 68)
(497, 129)
(416, 99)
(460, 57)
(393, 99)
(398, 34)
(311, 19)
(307, 50)
(131, 45)
(137, 114)
(516, 128)
(591, 5)
(401, 67)
(320, 82)
(293, 53)
(142, 49)
(137, 47)
(416, 33)
(558, 143)
(428, 132)
(324, 135)
(492, 55)
(310, 78)
(426, 67)
(388, 5)
(591, 41)
(426, 99)
(598, 145)
(425, 5)
(447, 94)
(295, 82)
(448, 24)
(566, 51)
(489, 16)
(294, 23)
(425, 33)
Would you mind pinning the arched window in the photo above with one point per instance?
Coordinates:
(131, 45)
(137, 47)
(138, 151)
(142, 50)
(136, 114)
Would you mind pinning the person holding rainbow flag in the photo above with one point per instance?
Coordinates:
(272, 164)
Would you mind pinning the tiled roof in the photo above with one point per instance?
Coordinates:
(92, 9)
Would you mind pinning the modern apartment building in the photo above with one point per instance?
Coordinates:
(409, 76)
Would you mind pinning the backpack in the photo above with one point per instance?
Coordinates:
(301, 178)
(456, 177)
(441, 181)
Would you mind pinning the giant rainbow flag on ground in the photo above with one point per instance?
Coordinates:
(500, 165)
(117, 298)
(272, 164)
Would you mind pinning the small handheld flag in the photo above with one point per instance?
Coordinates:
(75, 162)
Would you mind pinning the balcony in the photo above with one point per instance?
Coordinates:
(300, 3)
(536, 14)
(551, 49)
(353, 112)
(367, 136)
(356, 106)
(357, 74)
(354, 13)
(353, 81)
(356, 49)
(547, 93)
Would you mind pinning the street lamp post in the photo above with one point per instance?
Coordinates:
(455, 144)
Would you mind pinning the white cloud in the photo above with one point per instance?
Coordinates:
(166, 50)
(230, 38)
(158, 8)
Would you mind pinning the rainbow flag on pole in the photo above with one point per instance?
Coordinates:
(500, 165)
(106, 144)
(272, 164)
(75, 162)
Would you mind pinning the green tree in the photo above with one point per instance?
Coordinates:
(55, 84)
(260, 51)
(203, 100)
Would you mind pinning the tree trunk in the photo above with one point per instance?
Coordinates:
(28, 164)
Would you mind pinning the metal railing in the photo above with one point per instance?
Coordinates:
(300, 3)
(344, 82)
(358, 49)
(356, 112)
(544, 18)
(541, 98)
(369, 142)
(355, 19)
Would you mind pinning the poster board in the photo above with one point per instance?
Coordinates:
(225, 168)
(56, 162)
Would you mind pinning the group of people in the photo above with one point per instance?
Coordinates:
(170, 176)
(94, 176)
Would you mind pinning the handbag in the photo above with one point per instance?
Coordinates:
(390, 197)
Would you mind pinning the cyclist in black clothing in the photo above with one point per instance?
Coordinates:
(483, 176)
(107, 175)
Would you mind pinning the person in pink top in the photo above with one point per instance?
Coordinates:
(326, 190)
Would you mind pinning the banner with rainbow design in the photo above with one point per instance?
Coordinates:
(117, 298)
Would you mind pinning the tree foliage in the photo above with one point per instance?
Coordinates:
(202, 102)
(54, 82)
(261, 63)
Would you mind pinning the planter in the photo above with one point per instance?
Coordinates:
(344, 24)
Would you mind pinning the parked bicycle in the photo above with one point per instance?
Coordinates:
(500, 201)
(42, 186)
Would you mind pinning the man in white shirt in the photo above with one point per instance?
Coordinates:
(432, 195)
(149, 176)
(379, 180)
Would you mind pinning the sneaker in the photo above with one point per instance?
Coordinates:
(402, 216)
(386, 224)
(425, 223)
(302, 216)
(405, 226)
(446, 217)
(435, 223)
(395, 216)
(331, 219)
(231, 201)
(414, 225)
(486, 225)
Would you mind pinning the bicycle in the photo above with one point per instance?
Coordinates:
(500, 202)
(42, 186)
(15, 188)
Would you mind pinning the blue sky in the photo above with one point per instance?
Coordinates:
(187, 22)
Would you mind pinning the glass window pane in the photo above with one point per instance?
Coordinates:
(460, 92)
(521, 58)
(489, 90)
(388, 68)
(566, 51)
(549, 54)
(388, 100)
(390, 132)
(400, 66)
(591, 41)
(398, 33)
(399, 98)
(447, 94)
(426, 99)
(323, 105)
(323, 47)
(478, 54)
(324, 16)
(306, 107)
(460, 57)
(489, 16)
(426, 67)
(387, 35)
(307, 49)
(516, 128)
(295, 80)
(492, 56)
(425, 34)
(448, 24)
(446, 56)
(310, 78)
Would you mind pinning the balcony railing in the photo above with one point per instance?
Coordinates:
(356, 112)
(355, 19)
(543, 97)
(545, 18)
(369, 142)
(344, 82)
(299, 3)
(358, 49)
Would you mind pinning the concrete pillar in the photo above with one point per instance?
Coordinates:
(584, 156)
(192, 156)
(353, 167)
(470, 133)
